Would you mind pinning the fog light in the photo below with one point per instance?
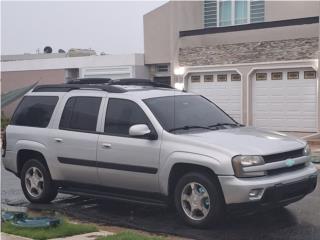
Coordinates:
(255, 194)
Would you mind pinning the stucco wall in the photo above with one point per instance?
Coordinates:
(279, 10)
(19, 79)
(162, 26)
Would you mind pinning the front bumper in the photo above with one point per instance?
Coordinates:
(290, 186)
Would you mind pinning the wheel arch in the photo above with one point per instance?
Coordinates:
(181, 163)
(30, 150)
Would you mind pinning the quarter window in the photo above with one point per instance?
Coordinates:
(121, 115)
(80, 114)
(34, 111)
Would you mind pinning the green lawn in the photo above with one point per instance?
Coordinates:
(129, 236)
(62, 230)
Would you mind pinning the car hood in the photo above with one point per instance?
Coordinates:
(247, 141)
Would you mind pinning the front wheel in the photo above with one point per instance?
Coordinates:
(198, 199)
(36, 182)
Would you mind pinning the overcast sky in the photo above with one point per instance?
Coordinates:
(114, 27)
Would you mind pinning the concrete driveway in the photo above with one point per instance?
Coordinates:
(299, 221)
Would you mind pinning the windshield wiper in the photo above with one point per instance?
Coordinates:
(188, 127)
(225, 124)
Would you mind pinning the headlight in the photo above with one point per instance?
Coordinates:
(307, 151)
(241, 161)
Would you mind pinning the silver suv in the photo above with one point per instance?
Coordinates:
(139, 141)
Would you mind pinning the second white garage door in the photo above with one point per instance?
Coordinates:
(223, 89)
(285, 100)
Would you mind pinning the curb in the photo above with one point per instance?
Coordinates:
(6, 236)
(86, 236)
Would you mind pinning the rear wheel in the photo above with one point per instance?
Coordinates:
(198, 199)
(36, 182)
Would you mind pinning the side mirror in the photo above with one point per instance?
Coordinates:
(139, 130)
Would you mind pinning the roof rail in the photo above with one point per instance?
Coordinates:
(70, 87)
(138, 82)
(104, 84)
(89, 81)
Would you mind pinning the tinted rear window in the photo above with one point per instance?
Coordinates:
(34, 111)
(81, 113)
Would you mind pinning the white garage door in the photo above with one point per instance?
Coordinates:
(285, 100)
(107, 72)
(220, 89)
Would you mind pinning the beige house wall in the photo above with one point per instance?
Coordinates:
(162, 26)
(281, 10)
(19, 79)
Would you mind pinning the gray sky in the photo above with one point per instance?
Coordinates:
(114, 27)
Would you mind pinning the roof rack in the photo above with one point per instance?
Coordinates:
(138, 82)
(89, 81)
(70, 87)
(104, 84)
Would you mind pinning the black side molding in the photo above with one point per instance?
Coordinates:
(115, 166)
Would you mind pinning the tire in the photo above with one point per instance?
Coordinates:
(214, 211)
(34, 175)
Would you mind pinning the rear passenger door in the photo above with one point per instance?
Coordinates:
(75, 141)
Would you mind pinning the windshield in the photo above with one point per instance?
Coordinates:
(186, 112)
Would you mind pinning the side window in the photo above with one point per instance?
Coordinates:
(121, 115)
(35, 111)
(80, 113)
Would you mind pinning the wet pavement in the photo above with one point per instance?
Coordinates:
(298, 221)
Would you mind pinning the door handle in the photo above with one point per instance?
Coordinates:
(106, 145)
(58, 140)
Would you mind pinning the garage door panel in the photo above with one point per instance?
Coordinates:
(227, 95)
(285, 105)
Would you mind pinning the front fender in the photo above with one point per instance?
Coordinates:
(188, 158)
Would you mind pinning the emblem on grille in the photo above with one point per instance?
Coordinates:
(290, 162)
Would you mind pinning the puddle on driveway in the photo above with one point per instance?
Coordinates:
(299, 221)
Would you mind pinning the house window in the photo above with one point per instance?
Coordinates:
(261, 76)
(293, 75)
(310, 74)
(233, 12)
(162, 68)
(276, 76)
(257, 11)
(210, 14)
(235, 77)
(195, 79)
(241, 12)
(222, 77)
(208, 78)
(223, 13)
